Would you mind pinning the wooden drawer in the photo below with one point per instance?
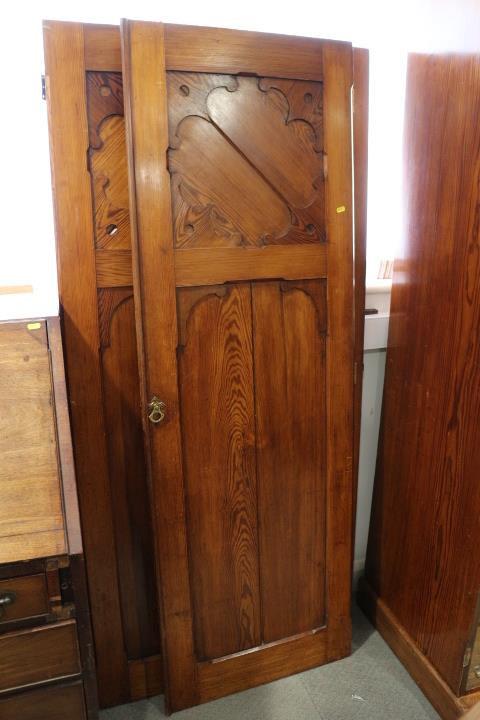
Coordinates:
(39, 654)
(52, 703)
(30, 598)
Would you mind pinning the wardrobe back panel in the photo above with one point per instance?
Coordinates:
(421, 558)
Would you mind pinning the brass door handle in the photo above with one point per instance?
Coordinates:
(156, 410)
(6, 598)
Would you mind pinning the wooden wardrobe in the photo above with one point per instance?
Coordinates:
(261, 295)
(422, 574)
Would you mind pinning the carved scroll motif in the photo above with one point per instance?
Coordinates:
(246, 160)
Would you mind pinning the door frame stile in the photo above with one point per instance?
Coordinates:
(65, 73)
(338, 78)
(154, 278)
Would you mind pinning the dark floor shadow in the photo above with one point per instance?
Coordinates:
(362, 628)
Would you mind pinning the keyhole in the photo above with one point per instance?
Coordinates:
(111, 229)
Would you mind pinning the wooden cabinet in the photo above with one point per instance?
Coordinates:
(423, 575)
(85, 96)
(45, 636)
(58, 702)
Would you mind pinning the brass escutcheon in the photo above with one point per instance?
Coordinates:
(156, 410)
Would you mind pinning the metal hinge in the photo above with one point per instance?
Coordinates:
(44, 88)
(467, 657)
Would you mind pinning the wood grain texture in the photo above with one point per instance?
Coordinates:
(202, 266)
(85, 635)
(337, 60)
(64, 438)
(44, 653)
(218, 430)
(152, 246)
(132, 595)
(225, 171)
(190, 680)
(108, 160)
(31, 511)
(445, 702)
(146, 677)
(196, 49)
(428, 469)
(289, 325)
(68, 127)
(30, 598)
(54, 703)
(360, 180)
(123, 423)
(102, 48)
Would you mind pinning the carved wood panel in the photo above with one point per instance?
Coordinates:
(225, 170)
(252, 375)
(107, 159)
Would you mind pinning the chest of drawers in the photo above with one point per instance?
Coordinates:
(46, 652)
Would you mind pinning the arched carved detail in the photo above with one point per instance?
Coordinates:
(224, 170)
(109, 301)
(107, 160)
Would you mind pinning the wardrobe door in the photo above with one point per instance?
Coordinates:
(241, 206)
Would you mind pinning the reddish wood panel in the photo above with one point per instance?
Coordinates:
(443, 699)
(422, 561)
(218, 430)
(289, 321)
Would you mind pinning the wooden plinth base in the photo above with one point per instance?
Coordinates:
(445, 702)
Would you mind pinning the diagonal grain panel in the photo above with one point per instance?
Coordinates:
(249, 116)
(218, 197)
(216, 389)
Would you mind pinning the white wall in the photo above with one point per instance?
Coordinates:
(27, 248)
(376, 335)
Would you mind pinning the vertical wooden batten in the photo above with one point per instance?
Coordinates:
(340, 337)
(150, 213)
(65, 82)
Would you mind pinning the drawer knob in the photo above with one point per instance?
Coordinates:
(6, 598)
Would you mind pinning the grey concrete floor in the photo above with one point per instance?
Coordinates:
(371, 684)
